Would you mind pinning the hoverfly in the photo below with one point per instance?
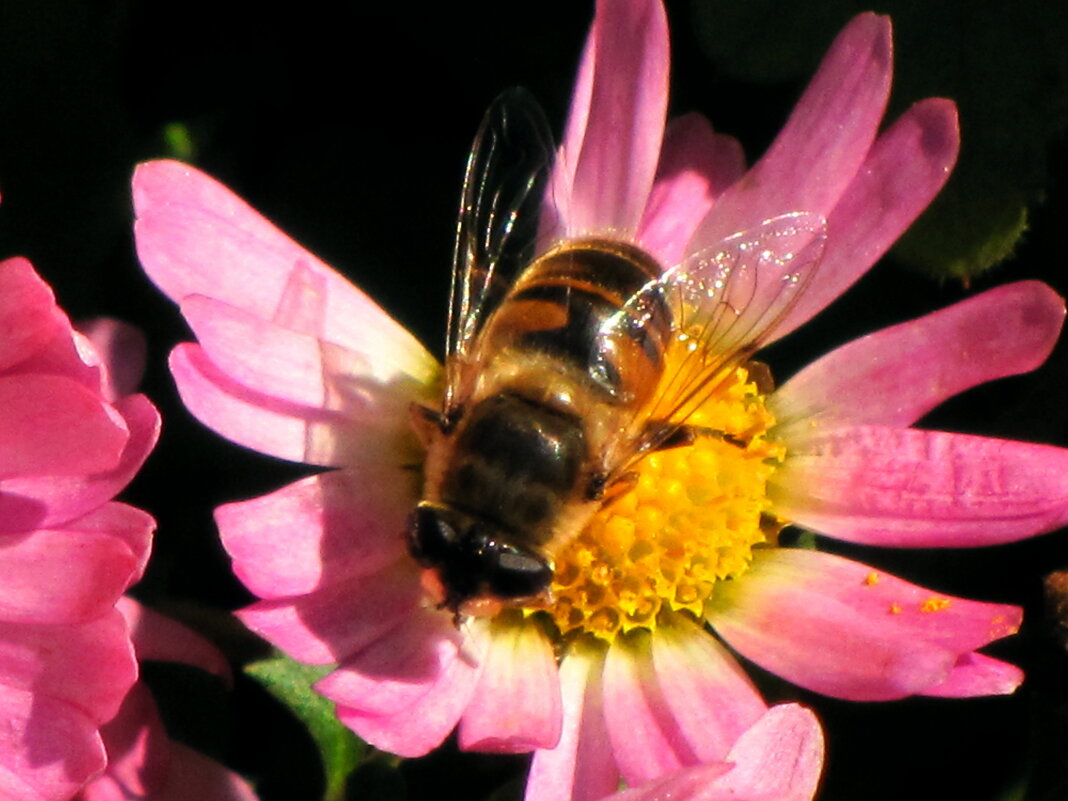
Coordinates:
(556, 377)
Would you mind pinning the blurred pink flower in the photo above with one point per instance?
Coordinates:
(67, 447)
(143, 762)
(295, 362)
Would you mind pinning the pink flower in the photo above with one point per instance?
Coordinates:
(618, 677)
(142, 761)
(67, 447)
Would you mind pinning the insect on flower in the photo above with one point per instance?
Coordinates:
(604, 469)
(564, 371)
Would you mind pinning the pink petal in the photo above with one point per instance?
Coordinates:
(27, 502)
(53, 426)
(906, 168)
(262, 356)
(831, 129)
(394, 672)
(646, 741)
(695, 783)
(123, 350)
(695, 166)
(62, 577)
(257, 421)
(195, 237)
(296, 368)
(194, 777)
(442, 698)
(921, 489)
(144, 764)
(161, 639)
(842, 629)
(581, 767)
(321, 530)
(138, 751)
(624, 124)
(28, 314)
(779, 759)
(516, 704)
(557, 201)
(127, 523)
(329, 624)
(708, 694)
(897, 375)
(977, 675)
(89, 666)
(48, 748)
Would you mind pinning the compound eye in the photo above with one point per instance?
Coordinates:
(430, 538)
(518, 573)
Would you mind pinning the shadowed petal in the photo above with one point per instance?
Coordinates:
(696, 165)
(194, 777)
(329, 624)
(842, 629)
(48, 748)
(516, 705)
(159, 638)
(394, 672)
(427, 698)
(895, 376)
(123, 351)
(144, 764)
(911, 488)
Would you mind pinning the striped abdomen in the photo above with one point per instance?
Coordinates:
(557, 313)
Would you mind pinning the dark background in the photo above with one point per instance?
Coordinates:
(348, 124)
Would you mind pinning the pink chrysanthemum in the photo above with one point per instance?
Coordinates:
(621, 677)
(67, 447)
(143, 762)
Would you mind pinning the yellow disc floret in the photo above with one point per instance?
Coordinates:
(692, 518)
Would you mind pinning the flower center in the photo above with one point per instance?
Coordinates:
(691, 519)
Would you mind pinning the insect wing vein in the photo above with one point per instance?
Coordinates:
(506, 175)
(725, 302)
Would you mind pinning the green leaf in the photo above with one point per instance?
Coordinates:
(291, 683)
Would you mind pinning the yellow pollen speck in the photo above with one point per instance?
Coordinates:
(871, 579)
(934, 605)
(692, 518)
(895, 609)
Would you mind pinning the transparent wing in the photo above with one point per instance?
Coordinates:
(507, 172)
(723, 303)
